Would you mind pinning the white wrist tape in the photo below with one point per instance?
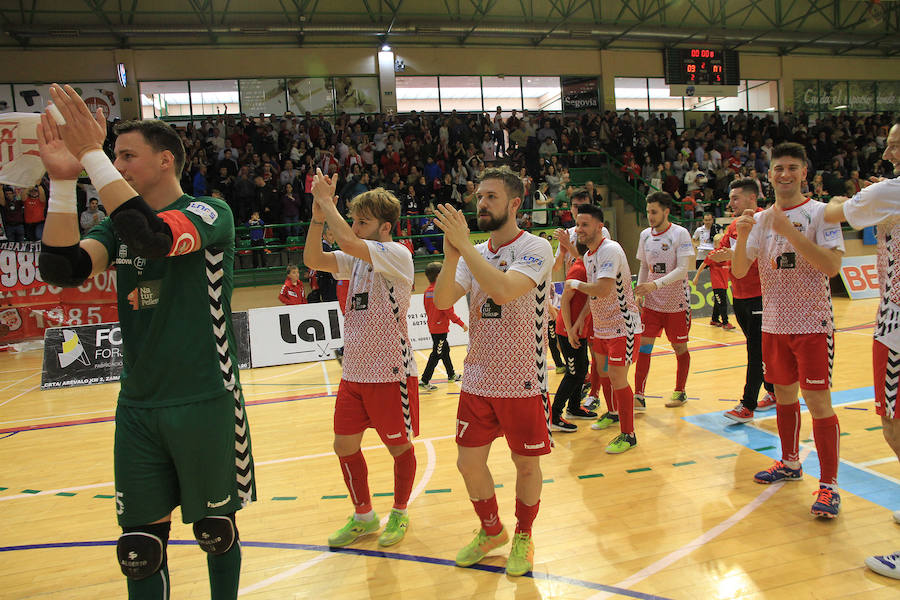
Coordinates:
(62, 197)
(575, 283)
(99, 168)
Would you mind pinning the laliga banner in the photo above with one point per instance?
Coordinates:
(310, 332)
(89, 354)
(20, 160)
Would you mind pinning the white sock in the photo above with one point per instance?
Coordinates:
(402, 511)
(791, 464)
(365, 516)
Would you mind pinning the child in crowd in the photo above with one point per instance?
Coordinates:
(718, 276)
(292, 292)
(438, 327)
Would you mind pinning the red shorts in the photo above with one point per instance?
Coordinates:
(801, 357)
(886, 367)
(619, 351)
(524, 421)
(677, 325)
(378, 405)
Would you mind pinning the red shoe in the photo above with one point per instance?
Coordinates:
(727, 326)
(767, 403)
(715, 323)
(740, 414)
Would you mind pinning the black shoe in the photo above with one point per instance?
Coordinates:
(580, 413)
(560, 424)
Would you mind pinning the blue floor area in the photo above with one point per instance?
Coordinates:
(860, 482)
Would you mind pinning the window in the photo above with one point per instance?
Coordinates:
(660, 96)
(460, 93)
(541, 93)
(310, 94)
(631, 92)
(762, 95)
(164, 99)
(505, 92)
(418, 93)
(266, 96)
(215, 97)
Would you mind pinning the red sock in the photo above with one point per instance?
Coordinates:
(788, 417)
(404, 475)
(608, 394)
(625, 401)
(356, 476)
(595, 380)
(684, 365)
(827, 433)
(487, 512)
(525, 516)
(640, 372)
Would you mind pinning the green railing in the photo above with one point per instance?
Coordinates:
(608, 173)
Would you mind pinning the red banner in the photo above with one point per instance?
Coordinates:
(28, 305)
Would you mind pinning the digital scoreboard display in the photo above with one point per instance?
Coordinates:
(701, 66)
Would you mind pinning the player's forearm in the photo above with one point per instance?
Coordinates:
(600, 288)
(834, 212)
(825, 260)
(740, 262)
(61, 227)
(313, 254)
(343, 235)
(443, 285)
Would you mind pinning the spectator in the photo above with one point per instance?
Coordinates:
(13, 214)
(291, 209)
(199, 181)
(35, 213)
(257, 238)
(91, 216)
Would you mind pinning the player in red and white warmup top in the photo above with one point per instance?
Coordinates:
(504, 386)
(378, 387)
(666, 254)
(797, 252)
(617, 324)
(879, 204)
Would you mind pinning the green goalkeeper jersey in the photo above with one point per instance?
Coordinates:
(175, 312)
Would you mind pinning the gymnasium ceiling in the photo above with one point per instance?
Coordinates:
(851, 27)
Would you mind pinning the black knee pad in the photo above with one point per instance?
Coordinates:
(141, 551)
(216, 534)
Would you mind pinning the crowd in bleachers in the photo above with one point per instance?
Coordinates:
(265, 164)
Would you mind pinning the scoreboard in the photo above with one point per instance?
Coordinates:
(701, 66)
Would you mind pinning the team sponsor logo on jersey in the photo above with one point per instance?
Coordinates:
(203, 210)
(665, 246)
(831, 234)
(380, 247)
(145, 295)
(607, 265)
(533, 261)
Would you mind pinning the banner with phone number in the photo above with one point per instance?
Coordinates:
(28, 306)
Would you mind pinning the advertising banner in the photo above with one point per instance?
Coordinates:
(33, 98)
(90, 354)
(860, 276)
(579, 93)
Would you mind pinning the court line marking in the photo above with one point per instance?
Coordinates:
(31, 389)
(361, 552)
(423, 481)
(327, 380)
(81, 414)
(427, 441)
(298, 370)
(19, 381)
(880, 461)
(700, 540)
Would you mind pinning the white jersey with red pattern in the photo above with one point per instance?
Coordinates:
(660, 253)
(879, 204)
(376, 342)
(616, 314)
(796, 296)
(506, 342)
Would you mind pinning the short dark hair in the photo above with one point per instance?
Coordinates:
(790, 149)
(581, 194)
(512, 182)
(664, 199)
(432, 270)
(745, 184)
(592, 210)
(159, 136)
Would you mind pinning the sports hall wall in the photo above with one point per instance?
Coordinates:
(25, 66)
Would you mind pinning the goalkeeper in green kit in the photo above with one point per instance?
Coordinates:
(182, 436)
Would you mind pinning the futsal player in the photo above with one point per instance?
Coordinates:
(797, 253)
(615, 317)
(181, 432)
(665, 251)
(378, 386)
(879, 205)
(504, 386)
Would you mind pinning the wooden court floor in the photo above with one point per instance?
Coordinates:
(679, 516)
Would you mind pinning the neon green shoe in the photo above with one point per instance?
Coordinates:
(560, 370)
(521, 555)
(395, 529)
(479, 547)
(622, 443)
(606, 420)
(678, 399)
(352, 531)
